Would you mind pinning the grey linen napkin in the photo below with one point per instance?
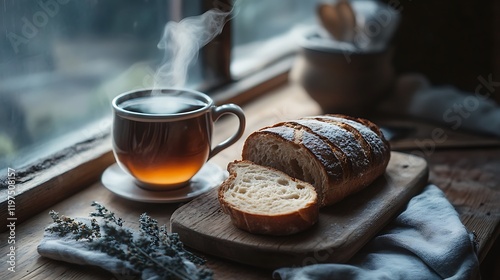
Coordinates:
(69, 250)
(426, 241)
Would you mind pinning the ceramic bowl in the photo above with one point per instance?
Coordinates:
(342, 79)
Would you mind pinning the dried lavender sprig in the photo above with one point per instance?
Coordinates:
(154, 249)
(104, 213)
(66, 225)
(158, 235)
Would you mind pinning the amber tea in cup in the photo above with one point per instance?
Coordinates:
(164, 137)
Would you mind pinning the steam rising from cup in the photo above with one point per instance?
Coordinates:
(181, 42)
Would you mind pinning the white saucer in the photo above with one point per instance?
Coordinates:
(124, 185)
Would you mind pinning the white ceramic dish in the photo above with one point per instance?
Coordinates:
(124, 185)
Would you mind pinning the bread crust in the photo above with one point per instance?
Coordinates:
(347, 153)
(273, 224)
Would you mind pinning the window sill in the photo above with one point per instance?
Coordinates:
(68, 171)
(56, 177)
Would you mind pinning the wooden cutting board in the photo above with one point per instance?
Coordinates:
(341, 231)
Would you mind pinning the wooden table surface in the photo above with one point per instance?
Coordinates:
(465, 167)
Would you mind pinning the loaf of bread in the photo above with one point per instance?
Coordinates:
(337, 154)
(267, 201)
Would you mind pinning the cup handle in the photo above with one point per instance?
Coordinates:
(219, 111)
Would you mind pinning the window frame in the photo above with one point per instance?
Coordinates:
(68, 171)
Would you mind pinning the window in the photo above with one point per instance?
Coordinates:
(62, 61)
(264, 31)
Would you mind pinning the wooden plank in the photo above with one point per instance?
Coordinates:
(471, 181)
(341, 231)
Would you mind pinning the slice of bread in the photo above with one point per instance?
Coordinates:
(264, 200)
